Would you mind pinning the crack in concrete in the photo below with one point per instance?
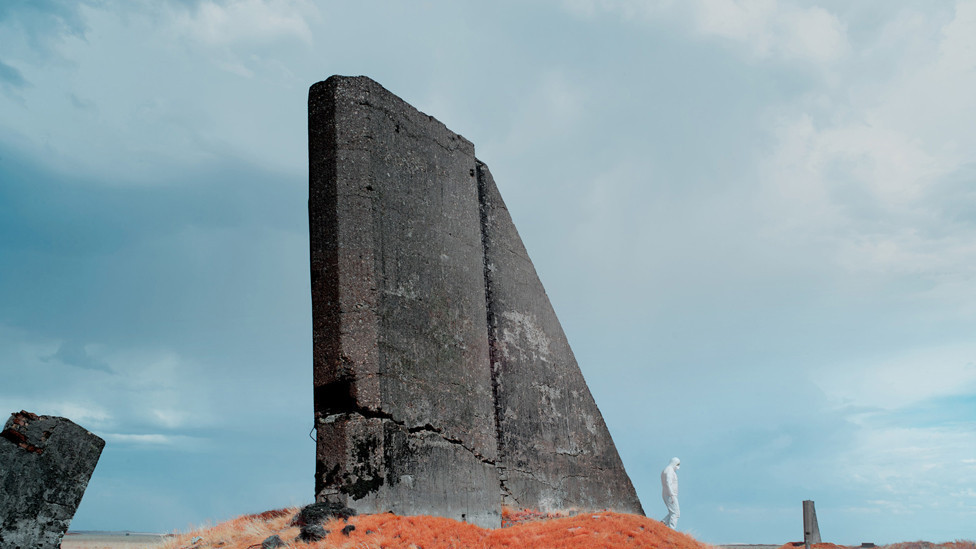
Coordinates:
(370, 413)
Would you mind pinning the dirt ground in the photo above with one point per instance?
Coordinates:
(110, 541)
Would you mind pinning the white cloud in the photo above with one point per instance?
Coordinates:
(553, 106)
(627, 9)
(910, 465)
(81, 413)
(900, 381)
(744, 21)
(169, 417)
(149, 388)
(160, 388)
(234, 35)
(86, 414)
(931, 90)
(153, 439)
(158, 105)
(818, 167)
(869, 174)
(958, 48)
(770, 29)
(766, 28)
(811, 33)
(35, 379)
(248, 21)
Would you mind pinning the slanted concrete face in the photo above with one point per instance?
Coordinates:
(45, 465)
(417, 271)
(811, 530)
(554, 448)
(403, 395)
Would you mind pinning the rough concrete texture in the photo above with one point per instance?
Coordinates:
(811, 530)
(554, 448)
(405, 393)
(45, 465)
(398, 299)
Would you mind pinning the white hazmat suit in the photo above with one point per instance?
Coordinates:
(669, 485)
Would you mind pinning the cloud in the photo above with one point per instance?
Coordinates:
(873, 180)
(910, 464)
(170, 417)
(149, 439)
(247, 22)
(626, 9)
(131, 120)
(242, 37)
(867, 168)
(552, 105)
(74, 353)
(906, 379)
(770, 29)
(45, 23)
(765, 28)
(87, 414)
(82, 413)
(958, 48)
(82, 104)
(877, 176)
(11, 78)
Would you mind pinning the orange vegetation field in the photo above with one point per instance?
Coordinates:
(526, 530)
(388, 531)
(906, 545)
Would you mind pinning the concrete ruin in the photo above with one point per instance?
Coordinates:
(444, 383)
(811, 530)
(45, 465)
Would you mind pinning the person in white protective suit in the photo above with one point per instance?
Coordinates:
(669, 485)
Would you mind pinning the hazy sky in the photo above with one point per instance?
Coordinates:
(755, 219)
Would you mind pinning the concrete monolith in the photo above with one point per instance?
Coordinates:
(403, 394)
(444, 384)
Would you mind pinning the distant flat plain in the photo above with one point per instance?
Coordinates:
(110, 540)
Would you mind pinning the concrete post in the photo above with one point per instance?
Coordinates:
(811, 530)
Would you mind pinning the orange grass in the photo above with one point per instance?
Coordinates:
(388, 531)
(958, 544)
(241, 532)
(529, 530)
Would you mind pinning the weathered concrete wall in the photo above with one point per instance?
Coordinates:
(402, 395)
(410, 414)
(45, 465)
(555, 450)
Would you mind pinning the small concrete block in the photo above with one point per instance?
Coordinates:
(45, 465)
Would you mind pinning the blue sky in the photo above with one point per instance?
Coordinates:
(756, 220)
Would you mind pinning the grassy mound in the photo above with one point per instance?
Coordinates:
(524, 530)
(388, 531)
